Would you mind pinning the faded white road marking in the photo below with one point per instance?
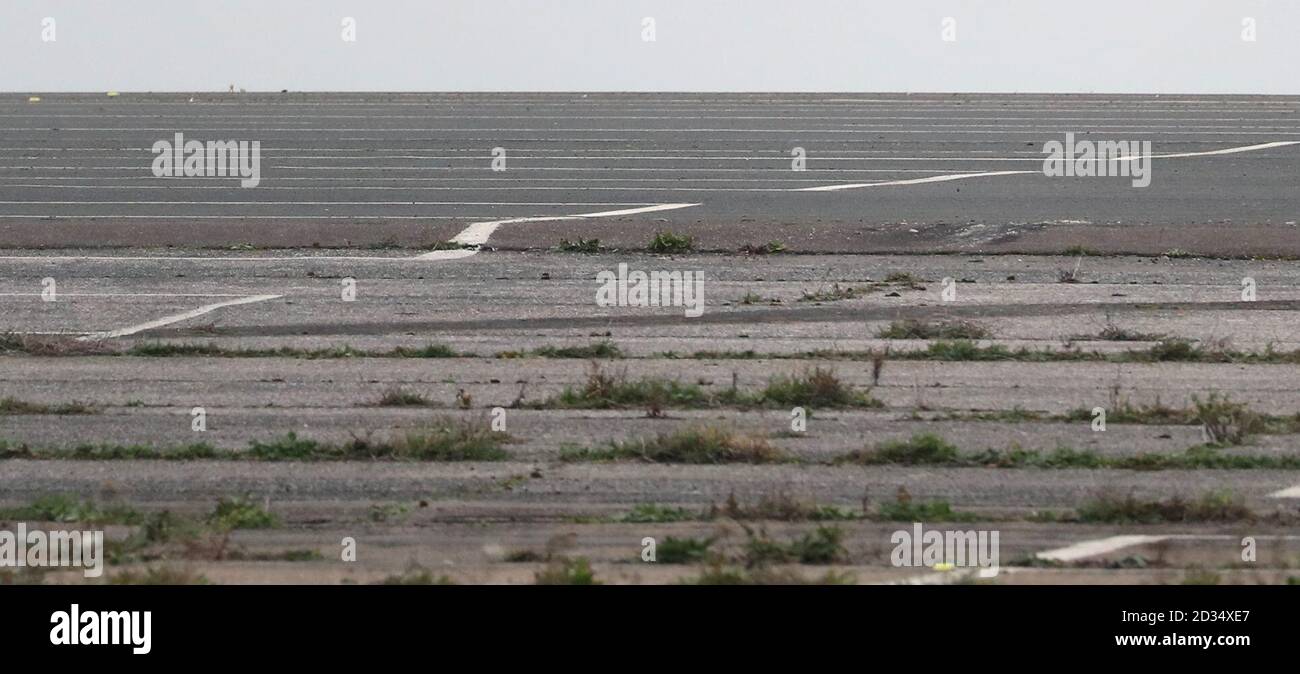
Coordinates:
(238, 217)
(910, 181)
(477, 234)
(175, 318)
(1230, 150)
(962, 129)
(1100, 546)
(63, 294)
(962, 176)
(1289, 492)
(474, 235)
(348, 203)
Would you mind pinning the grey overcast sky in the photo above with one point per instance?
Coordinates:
(1120, 46)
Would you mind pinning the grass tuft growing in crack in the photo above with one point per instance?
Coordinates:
(675, 550)
(566, 571)
(1215, 506)
(921, 448)
(667, 243)
(16, 406)
(823, 545)
(240, 512)
(605, 349)
(913, 328)
(69, 508)
(399, 397)
(818, 387)
(580, 246)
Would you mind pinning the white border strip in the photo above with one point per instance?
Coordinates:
(1096, 547)
(174, 318)
(962, 176)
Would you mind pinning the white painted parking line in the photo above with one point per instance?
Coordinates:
(184, 216)
(963, 176)
(1289, 492)
(175, 318)
(911, 181)
(347, 203)
(1100, 546)
(962, 130)
(1087, 122)
(477, 234)
(1231, 150)
(63, 294)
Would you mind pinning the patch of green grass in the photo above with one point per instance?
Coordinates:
(815, 388)
(565, 571)
(448, 245)
(906, 510)
(1174, 350)
(769, 248)
(1061, 457)
(818, 387)
(444, 439)
(288, 447)
(1014, 415)
(239, 512)
(1079, 249)
(16, 406)
(605, 349)
(750, 297)
(651, 513)
(172, 349)
(668, 243)
(1114, 333)
(1224, 421)
(1195, 576)
(441, 439)
(388, 512)
(69, 508)
(781, 507)
(1215, 506)
(579, 246)
(921, 448)
(913, 328)
(189, 452)
(821, 546)
(169, 350)
(296, 555)
(51, 345)
(399, 397)
(929, 449)
(682, 550)
(905, 279)
(611, 391)
(965, 350)
(834, 293)
(426, 351)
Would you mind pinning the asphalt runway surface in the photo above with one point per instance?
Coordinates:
(378, 170)
(244, 286)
